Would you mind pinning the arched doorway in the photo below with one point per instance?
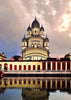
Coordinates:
(5, 67)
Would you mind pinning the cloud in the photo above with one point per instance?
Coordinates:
(16, 15)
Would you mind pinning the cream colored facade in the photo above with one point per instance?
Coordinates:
(35, 46)
(3, 57)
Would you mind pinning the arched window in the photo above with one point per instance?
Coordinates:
(68, 65)
(15, 67)
(33, 67)
(58, 65)
(53, 66)
(63, 65)
(35, 32)
(10, 66)
(19, 67)
(29, 67)
(49, 66)
(24, 44)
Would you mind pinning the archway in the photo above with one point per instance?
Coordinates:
(5, 67)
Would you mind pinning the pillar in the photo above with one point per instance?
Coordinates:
(41, 66)
(36, 67)
(46, 66)
(22, 68)
(65, 83)
(51, 66)
(41, 83)
(46, 84)
(61, 66)
(13, 67)
(51, 84)
(55, 83)
(31, 67)
(60, 83)
(65, 66)
(26, 67)
(56, 65)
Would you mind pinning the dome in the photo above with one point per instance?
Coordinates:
(29, 28)
(42, 28)
(35, 23)
(68, 55)
(16, 58)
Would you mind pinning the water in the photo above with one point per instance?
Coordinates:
(35, 88)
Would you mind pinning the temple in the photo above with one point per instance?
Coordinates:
(35, 46)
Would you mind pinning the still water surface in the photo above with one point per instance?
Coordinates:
(33, 88)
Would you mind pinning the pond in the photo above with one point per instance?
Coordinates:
(35, 88)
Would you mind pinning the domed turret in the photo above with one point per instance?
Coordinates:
(42, 31)
(35, 27)
(68, 56)
(29, 31)
(24, 43)
(29, 28)
(46, 43)
(46, 39)
(42, 28)
(35, 23)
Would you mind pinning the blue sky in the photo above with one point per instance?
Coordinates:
(16, 15)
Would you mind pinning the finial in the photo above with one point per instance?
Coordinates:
(35, 18)
(46, 35)
(24, 35)
(41, 25)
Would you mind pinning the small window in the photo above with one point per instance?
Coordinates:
(28, 33)
(24, 44)
(46, 44)
(35, 31)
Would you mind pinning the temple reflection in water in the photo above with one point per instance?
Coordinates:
(36, 88)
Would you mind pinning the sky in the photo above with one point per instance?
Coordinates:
(54, 15)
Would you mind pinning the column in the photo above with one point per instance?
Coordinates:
(65, 66)
(13, 67)
(41, 83)
(56, 66)
(36, 67)
(17, 67)
(55, 83)
(51, 66)
(22, 67)
(8, 67)
(46, 83)
(60, 83)
(26, 67)
(41, 66)
(65, 83)
(46, 66)
(31, 67)
(51, 84)
(61, 66)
